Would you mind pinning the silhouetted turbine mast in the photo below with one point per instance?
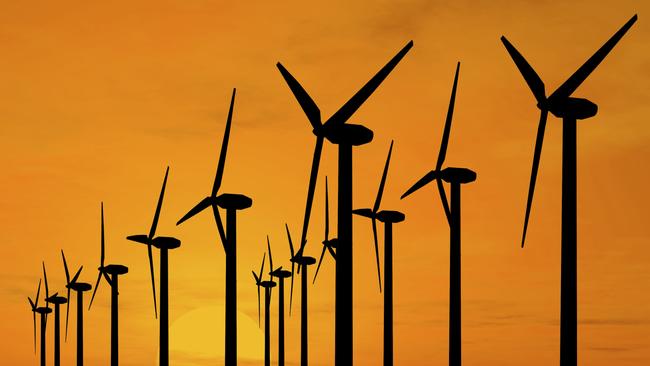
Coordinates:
(43, 311)
(562, 105)
(57, 301)
(79, 288)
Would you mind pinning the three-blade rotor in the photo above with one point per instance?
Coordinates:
(69, 284)
(102, 272)
(258, 283)
(34, 306)
(327, 243)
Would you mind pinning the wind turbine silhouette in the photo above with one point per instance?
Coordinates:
(231, 203)
(328, 244)
(57, 301)
(43, 311)
(345, 136)
(164, 244)
(110, 273)
(280, 274)
(455, 177)
(303, 262)
(570, 109)
(388, 218)
(79, 288)
(268, 285)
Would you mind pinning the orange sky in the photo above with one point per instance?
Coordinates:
(97, 99)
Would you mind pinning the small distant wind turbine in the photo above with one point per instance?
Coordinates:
(79, 288)
(455, 177)
(328, 244)
(57, 301)
(110, 273)
(231, 203)
(337, 131)
(268, 285)
(43, 311)
(388, 218)
(164, 244)
(280, 274)
(570, 109)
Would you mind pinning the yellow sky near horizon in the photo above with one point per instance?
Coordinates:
(97, 99)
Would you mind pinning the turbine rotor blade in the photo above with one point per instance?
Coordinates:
(224, 147)
(443, 199)
(67, 314)
(205, 203)
(320, 260)
(533, 174)
(268, 244)
(101, 258)
(565, 90)
(306, 103)
(76, 275)
(351, 106)
(156, 216)
(374, 233)
(327, 211)
(382, 183)
(430, 176)
(153, 282)
(533, 80)
(99, 277)
(47, 291)
(450, 113)
(65, 266)
(313, 177)
(38, 292)
(365, 212)
(222, 232)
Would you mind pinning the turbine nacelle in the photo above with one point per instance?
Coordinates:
(457, 175)
(56, 299)
(80, 286)
(234, 201)
(349, 134)
(114, 269)
(390, 216)
(577, 108)
(42, 310)
(280, 273)
(304, 260)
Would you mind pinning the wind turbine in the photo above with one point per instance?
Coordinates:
(57, 301)
(43, 311)
(164, 244)
(79, 288)
(345, 136)
(280, 274)
(110, 273)
(570, 109)
(303, 262)
(268, 285)
(455, 177)
(388, 218)
(231, 203)
(328, 244)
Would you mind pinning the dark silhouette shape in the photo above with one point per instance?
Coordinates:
(164, 244)
(268, 285)
(231, 203)
(328, 244)
(110, 273)
(562, 105)
(345, 135)
(280, 274)
(388, 218)
(43, 311)
(57, 301)
(455, 177)
(303, 262)
(79, 288)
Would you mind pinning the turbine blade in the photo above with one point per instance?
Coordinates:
(351, 106)
(101, 258)
(222, 232)
(332, 252)
(382, 183)
(268, 245)
(224, 147)
(34, 318)
(141, 238)
(306, 103)
(374, 234)
(565, 90)
(262, 267)
(153, 282)
(205, 203)
(365, 212)
(450, 113)
(67, 314)
(313, 177)
(327, 211)
(443, 199)
(293, 266)
(99, 277)
(320, 260)
(76, 275)
(286, 226)
(533, 80)
(533, 174)
(65, 266)
(47, 291)
(257, 282)
(421, 183)
(38, 292)
(156, 216)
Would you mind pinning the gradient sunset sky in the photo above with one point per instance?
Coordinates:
(97, 98)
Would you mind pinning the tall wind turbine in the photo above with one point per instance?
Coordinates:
(280, 274)
(164, 244)
(268, 285)
(79, 288)
(110, 273)
(570, 109)
(231, 203)
(57, 301)
(345, 136)
(388, 218)
(42, 311)
(455, 177)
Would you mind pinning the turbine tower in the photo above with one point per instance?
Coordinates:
(231, 203)
(455, 177)
(280, 274)
(57, 301)
(79, 288)
(42, 311)
(570, 109)
(164, 244)
(268, 286)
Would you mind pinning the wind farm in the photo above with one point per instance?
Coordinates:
(371, 286)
